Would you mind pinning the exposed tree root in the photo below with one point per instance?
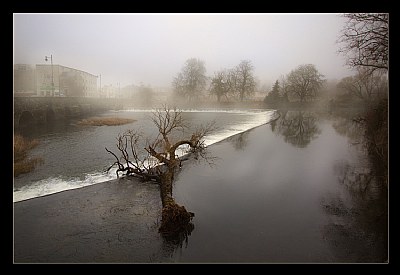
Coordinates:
(175, 220)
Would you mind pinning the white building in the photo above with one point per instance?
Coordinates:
(24, 80)
(57, 80)
(109, 91)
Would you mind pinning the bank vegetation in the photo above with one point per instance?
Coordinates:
(23, 163)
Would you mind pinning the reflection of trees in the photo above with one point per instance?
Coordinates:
(297, 127)
(358, 231)
(240, 141)
(359, 182)
(371, 133)
(349, 128)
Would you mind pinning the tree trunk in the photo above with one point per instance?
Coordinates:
(166, 187)
(175, 219)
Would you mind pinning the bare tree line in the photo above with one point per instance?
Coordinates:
(237, 83)
(364, 42)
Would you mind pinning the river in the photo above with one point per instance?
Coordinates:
(299, 189)
(75, 155)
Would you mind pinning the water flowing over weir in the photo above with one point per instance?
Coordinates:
(75, 156)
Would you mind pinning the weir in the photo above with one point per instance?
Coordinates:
(53, 181)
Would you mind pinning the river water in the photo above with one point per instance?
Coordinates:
(297, 190)
(75, 156)
(300, 189)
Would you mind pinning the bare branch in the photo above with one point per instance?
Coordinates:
(365, 40)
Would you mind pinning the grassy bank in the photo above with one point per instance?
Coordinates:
(108, 121)
(23, 164)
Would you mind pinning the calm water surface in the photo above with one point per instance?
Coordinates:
(286, 192)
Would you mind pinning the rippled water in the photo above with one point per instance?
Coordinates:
(75, 156)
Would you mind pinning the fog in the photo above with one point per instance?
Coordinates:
(152, 48)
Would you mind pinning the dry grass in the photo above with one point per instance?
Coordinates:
(108, 121)
(22, 146)
(26, 165)
(21, 149)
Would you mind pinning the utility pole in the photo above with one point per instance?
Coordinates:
(100, 86)
(46, 58)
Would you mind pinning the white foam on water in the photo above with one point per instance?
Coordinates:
(55, 185)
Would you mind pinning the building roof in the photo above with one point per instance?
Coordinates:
(67, 67)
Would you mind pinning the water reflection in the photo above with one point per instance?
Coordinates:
(349, 128)
(174, 244)
(358, 181)
(357, 231)
(240, 141)
(297, 127)
(355, 130)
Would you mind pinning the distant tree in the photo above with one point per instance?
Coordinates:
(364, 85)
(304, 82)
(243, 79)
(274, 95)
(365, 40)
(275, 90)
(192, 80)
(145, 94)
(284, 88)
(222, 84)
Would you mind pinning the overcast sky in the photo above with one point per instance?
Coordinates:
(152, 48)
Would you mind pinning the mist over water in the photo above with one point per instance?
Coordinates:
(74, 156)
(298, 157)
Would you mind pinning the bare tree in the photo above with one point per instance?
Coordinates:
(365, 85)
(365, 40)
(158, 161)
(144, 94)
(304, 82)
(284, 87)
(243, 78)
(192, 80)
(223, 83)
